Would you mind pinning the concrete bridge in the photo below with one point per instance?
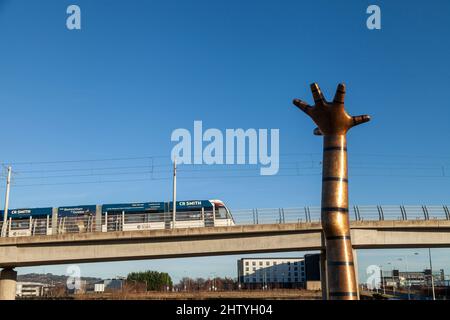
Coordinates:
(175, 243)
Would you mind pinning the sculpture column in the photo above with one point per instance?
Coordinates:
(333, 122)
(8, 278)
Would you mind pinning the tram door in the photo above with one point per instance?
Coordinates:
(209, 217)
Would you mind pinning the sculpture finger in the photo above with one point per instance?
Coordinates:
(317, 132)
(340, 94)
(319, 99)
(360, 119)
(303, 106)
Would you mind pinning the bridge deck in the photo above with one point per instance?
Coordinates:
(241, 239)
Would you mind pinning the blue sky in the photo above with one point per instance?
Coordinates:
(140, 69)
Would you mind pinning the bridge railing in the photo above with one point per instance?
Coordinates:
(202, 218)
(358, 213)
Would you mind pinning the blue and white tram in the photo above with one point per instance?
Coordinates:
(159, 215)
(117, 217)
(76, 219)
(132, 216)
(28, 221)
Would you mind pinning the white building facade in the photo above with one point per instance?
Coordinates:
(270, 272)
(31, 289)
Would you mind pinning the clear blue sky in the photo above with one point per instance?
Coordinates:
(140, 69)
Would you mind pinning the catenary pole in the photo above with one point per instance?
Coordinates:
(5, 213)
(174, 191)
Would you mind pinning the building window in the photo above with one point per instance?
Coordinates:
(246, 263)
(254, 263)
(267, 263)
(260, 263)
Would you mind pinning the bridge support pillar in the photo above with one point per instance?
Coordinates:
(323, 275)
(355, 262)
(8, 278)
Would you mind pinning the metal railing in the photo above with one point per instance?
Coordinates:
(196, 219)
(356, 213)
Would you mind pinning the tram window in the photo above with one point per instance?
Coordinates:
(221, 213)
(20, 224)
(138, 217)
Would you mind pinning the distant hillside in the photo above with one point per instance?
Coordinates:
(50, 278)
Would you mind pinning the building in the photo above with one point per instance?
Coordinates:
(31, 289)
(312, 272)
(268, 273)
(99, 287)
(396, 278)
(109, 285)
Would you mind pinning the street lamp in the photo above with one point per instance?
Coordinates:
(383, 280)
(408, 282)
(392, 277)
(213, 288)
(431, 272)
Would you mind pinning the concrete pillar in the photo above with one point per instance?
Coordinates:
(355, 262)
(323, 274)
(8, 278)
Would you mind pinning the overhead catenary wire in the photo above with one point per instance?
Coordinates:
(159, 167)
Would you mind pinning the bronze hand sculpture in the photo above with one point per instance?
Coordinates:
(333, 122)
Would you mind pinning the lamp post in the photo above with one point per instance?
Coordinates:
(408, 282)
(174, 193)
(406, 278)
(213, 287)
(5, 212)
(382, 280)
(431, 272)
(392, 277)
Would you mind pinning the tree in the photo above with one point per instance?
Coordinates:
(154, 280)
